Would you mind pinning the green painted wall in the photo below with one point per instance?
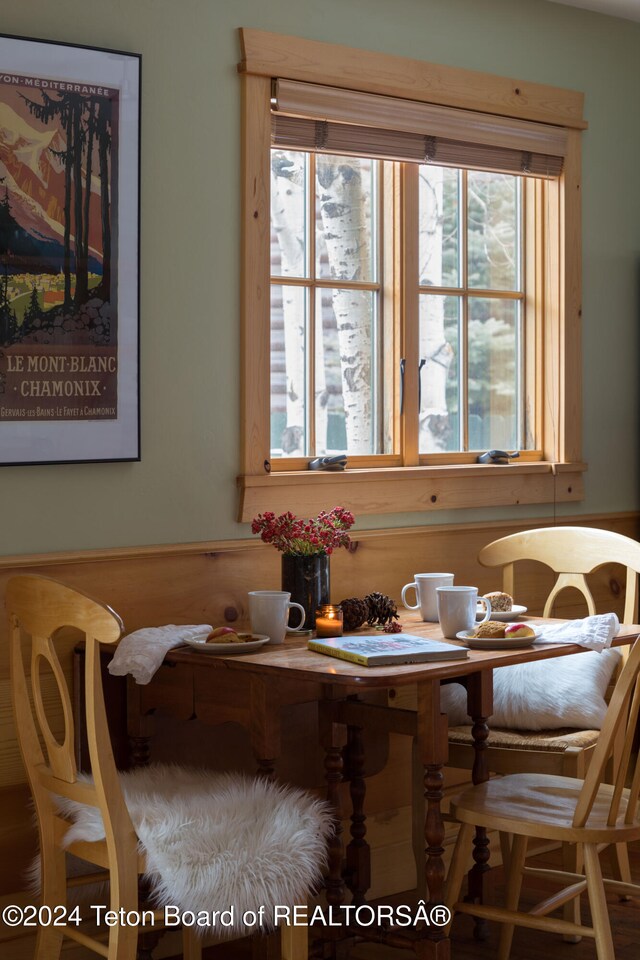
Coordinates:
(184, 488)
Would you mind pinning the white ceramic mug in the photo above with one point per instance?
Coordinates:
(457, 608)
(269, 611)
(425, 585)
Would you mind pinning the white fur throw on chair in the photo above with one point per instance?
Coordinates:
(543, 695)
(218, 841)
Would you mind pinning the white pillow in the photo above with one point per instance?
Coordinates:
(543, 695)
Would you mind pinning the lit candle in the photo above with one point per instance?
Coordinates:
(329, 620)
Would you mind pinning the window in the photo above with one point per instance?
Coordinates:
(332, 341)
(420, 288)
(329, 336)
(473, 321)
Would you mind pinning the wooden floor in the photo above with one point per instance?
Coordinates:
(527, 944)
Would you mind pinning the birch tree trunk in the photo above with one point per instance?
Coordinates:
(288, 219)
(434, 348)
(347, 235)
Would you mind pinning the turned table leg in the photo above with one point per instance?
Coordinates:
(432, 745)
(332, 738)
(480, 708)
(358, 851)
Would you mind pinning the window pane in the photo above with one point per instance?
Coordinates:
(439, 226)
(346, 201)
(493, 374)
(289, 175)
(440, 319)
(493, 232)
(288, 371)
(348, 399)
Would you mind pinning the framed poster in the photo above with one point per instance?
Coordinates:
(69, 253)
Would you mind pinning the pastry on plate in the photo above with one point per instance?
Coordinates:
(500, 602)
(226, 635)
(490, 628)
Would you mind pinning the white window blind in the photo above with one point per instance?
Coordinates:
(334, 120)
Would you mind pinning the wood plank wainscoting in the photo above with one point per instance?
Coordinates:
(207, 582)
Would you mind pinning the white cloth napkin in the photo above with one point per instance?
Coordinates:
(141, 652)
(596, 632)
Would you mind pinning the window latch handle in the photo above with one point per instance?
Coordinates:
(403, 364)
(420, 366)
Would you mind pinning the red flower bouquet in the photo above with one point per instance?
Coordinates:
(297, 537)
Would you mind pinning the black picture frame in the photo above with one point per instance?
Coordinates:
(69, 253)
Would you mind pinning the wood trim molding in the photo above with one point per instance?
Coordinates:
(162, 551)
(411, 489)
(295, 58)
(256, 290)
(570, 339)
(630, 519)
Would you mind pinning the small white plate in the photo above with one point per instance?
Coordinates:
(503, 615)
(496, 643)
(248, 646)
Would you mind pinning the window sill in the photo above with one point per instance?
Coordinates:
(409, 489)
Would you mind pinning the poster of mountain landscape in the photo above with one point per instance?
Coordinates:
(69, 172)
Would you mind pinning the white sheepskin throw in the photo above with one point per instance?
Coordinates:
(214, 841)
(544, 695)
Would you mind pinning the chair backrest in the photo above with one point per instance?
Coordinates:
(622, 716)
(41, 608)
(571, 552)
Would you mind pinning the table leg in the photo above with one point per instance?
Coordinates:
(264, 727)
(480, 708)
(433, 749)
(331, 738)
(358, 850)
(140, 751)
(139, 727)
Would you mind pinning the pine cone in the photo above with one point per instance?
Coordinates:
(354, 612)
(392, 627)
(382, 609)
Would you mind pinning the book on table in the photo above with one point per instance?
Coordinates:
(377, 651)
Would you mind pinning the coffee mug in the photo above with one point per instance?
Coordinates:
(425, 585)
(269, 611)
(457, 607)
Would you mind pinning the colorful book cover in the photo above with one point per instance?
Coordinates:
(374, 651)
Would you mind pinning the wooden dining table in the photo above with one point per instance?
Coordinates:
(252, 688)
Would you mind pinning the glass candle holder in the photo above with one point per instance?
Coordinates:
(329, 620)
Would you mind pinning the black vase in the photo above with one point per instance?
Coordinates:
(307, 580)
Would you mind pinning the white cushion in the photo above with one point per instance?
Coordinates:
(544, 695)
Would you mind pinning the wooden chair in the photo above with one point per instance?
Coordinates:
(571, 552)
(587, 812)
(41, 608)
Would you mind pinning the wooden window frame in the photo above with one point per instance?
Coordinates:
(558, 476)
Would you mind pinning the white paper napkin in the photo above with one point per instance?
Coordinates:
(141, 652)
(595, 632)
